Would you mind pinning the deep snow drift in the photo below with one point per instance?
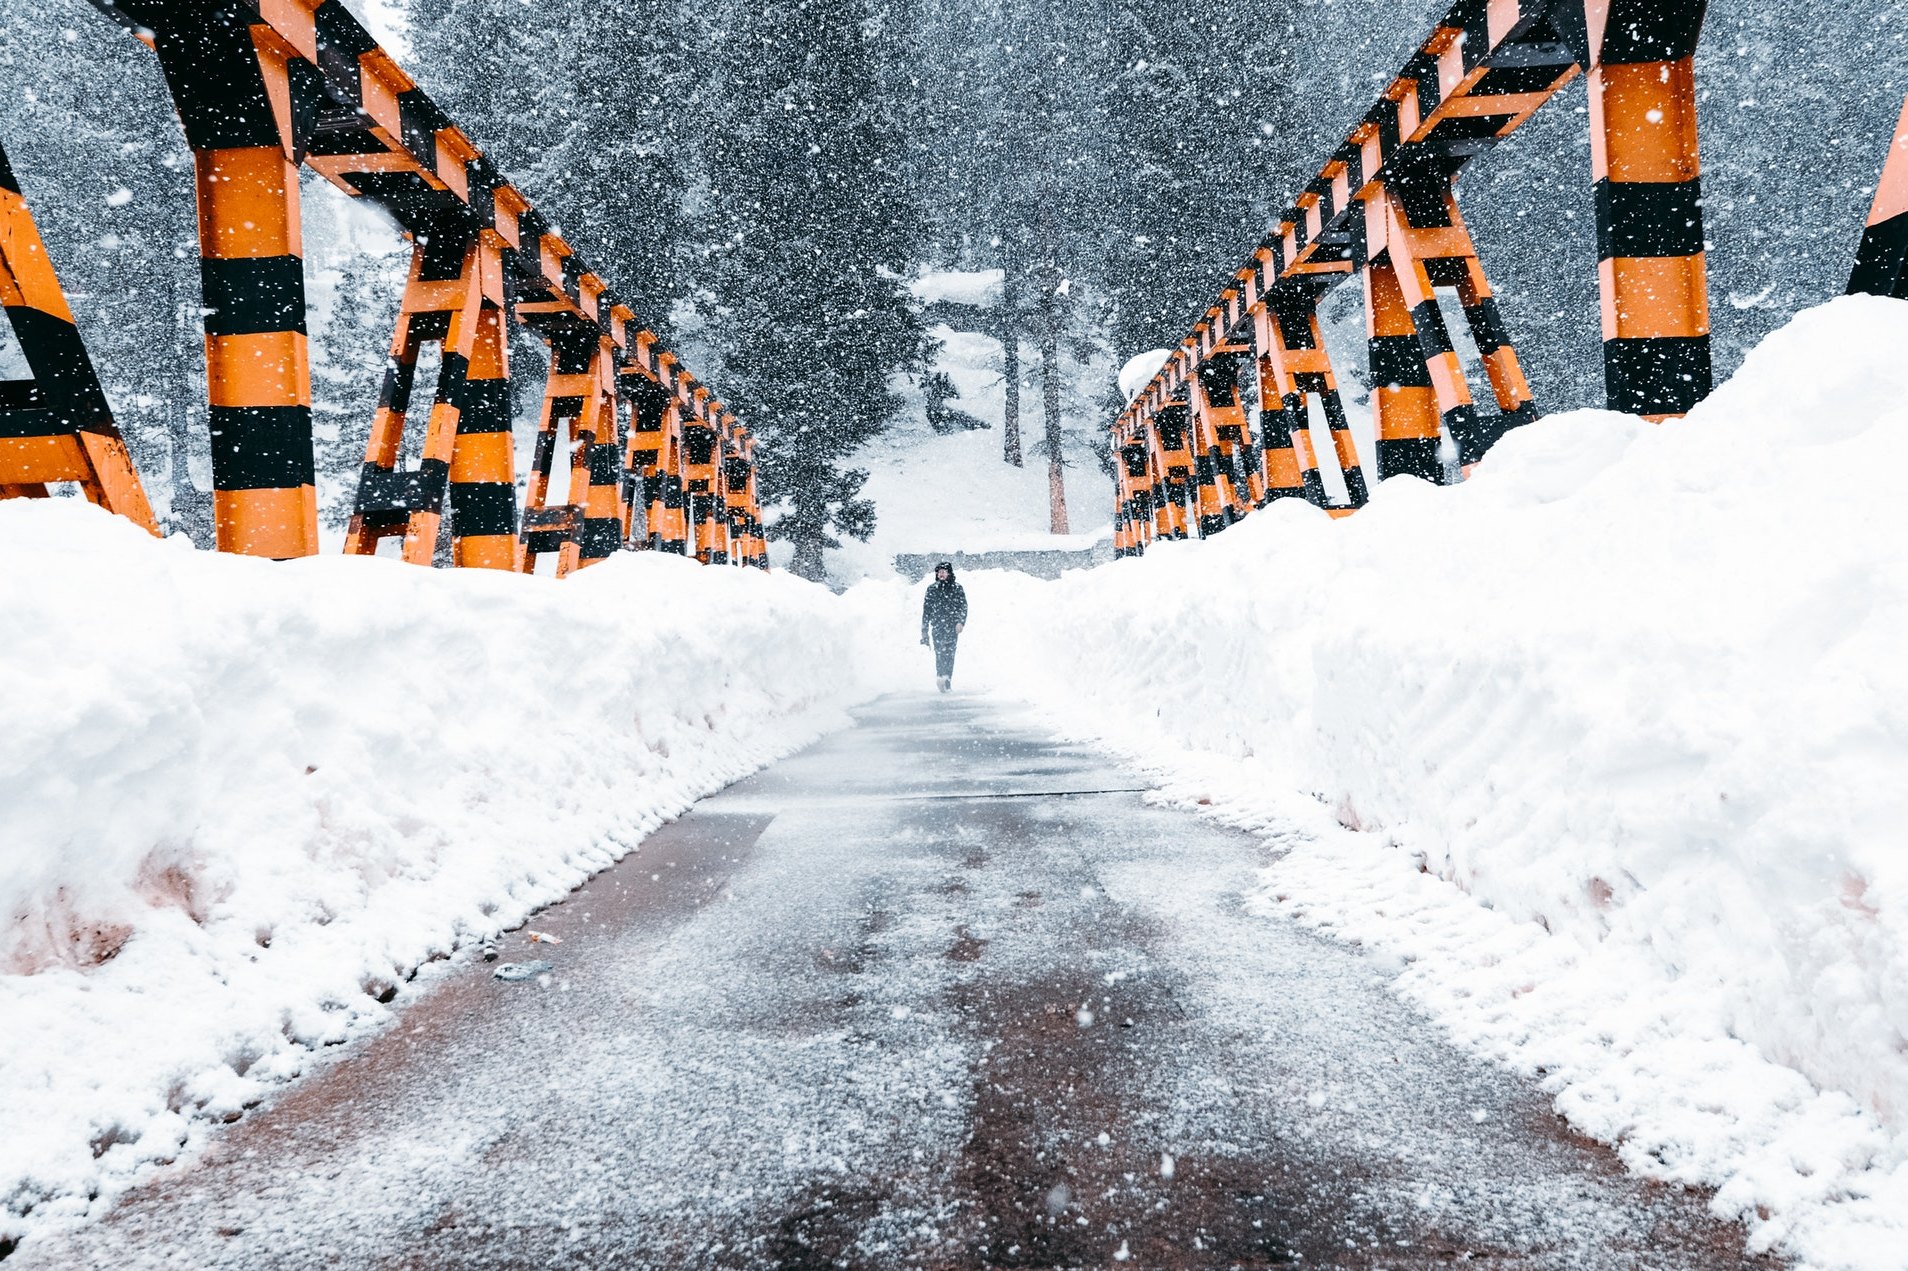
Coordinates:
(1606, 749)
(241, 802)
(1639, 692)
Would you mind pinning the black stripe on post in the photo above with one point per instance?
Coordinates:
(1421, 196)
(67, 385)
(604, 464)
(433, 324)
(485, 407)
(1410, 457)
(400, 377)
(452, 374)
(1662, 375)
(1649, 218)
(1170, 424)
(1397, 361)
(599, 537)
(1881, 262)
(261, 447)
(1487, 430)
(1461, 423)
(212, 68)
(1275, 429)
(1487, 326)
(444, 247)
(1649, 31)
(1434, 338)
(545, 450)
(381, 491)
(253, 295)
(28, 421)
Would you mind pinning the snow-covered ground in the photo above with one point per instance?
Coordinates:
(943, 493)
(241, 802)
(1608, 747)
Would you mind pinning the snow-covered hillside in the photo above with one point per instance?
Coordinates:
(940, 493)
(1608, 748)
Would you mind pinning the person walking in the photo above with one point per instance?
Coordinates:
(944, 617)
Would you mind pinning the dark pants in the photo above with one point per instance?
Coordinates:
(944, 642)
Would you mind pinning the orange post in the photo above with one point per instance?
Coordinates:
(1644, 161)
(1294, 366)
(248, 102)
(1403, 400)
(1420, 243)
(483, 470)
(453, 297)
(1881, 262)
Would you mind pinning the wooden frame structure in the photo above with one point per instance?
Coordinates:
(1383, 207)
(263, 88)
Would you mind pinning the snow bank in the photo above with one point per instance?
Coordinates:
(242, 802)
(977, 287)
(1640, 693)
(1138, 371)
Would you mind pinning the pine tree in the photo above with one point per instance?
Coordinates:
(814, 229)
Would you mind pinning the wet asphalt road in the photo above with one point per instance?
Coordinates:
(937, 992)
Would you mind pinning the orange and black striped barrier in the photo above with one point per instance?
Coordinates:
(55, 426)
(1382, 208)
(263, 89)
(1295, 367)
(649, 410)
(454, 297)
(1414, 241)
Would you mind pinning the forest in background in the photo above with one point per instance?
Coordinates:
(761, 177)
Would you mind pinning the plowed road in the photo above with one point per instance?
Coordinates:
(938, 992)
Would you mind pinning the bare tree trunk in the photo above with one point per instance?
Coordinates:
(1010, 353)
(1050, 389)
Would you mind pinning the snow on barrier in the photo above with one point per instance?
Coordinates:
(1637, 686)
(242, 801)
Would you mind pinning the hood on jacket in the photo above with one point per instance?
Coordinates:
(948, 566)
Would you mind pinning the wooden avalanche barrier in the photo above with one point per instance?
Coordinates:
(264, 88)
(1383, 207)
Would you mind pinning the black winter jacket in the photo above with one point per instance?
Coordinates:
(944, 609)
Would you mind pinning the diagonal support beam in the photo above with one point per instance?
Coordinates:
(56, 426)
(453, 297)
(1294, 367)
(1417, 242)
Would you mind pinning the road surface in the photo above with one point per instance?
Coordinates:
(939, 992)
